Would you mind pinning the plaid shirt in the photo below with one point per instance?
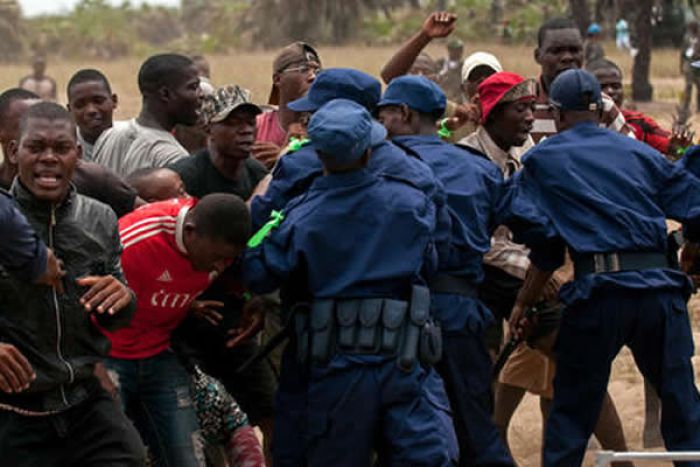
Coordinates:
(504, 253)
(544, 125)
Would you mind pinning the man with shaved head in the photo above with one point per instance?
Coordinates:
(169, 86)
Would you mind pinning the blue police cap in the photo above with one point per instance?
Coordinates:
(576, 90)
(339, 83)
(343, 130)
(417, 92)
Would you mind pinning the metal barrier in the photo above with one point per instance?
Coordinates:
(604, 458)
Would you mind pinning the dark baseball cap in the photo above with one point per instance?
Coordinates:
(295, 54)
(344, 130)
(576, 90)
(417, 92)
(340, 83)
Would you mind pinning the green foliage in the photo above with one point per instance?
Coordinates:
(98, 29)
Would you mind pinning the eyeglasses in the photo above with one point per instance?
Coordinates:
(304, 69)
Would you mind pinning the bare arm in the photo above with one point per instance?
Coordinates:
(438, 24)
(532, 289)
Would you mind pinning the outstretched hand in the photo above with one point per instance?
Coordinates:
(439, 24)
(54, 272)
(16, 374)
(266, 152)
(105, 295)
(681, 138)
(205, 309)
(464, 113)
(252, 321)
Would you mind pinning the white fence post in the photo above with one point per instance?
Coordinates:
(605, 458)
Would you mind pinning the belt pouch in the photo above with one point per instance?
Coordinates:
(419, 310)
(370, 312)
(347, 312)
(430, 347)
(393, 317)
(322, 321)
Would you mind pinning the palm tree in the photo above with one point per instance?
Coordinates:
(642, 90)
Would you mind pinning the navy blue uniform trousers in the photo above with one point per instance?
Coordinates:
(466, 369)
(654, 324)
(341, 414)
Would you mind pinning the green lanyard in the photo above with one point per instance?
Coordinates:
(444, 132)
(297, 143)
(276, 218)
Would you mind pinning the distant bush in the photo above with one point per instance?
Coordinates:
(97, 29)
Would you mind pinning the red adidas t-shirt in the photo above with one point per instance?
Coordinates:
(157, 269)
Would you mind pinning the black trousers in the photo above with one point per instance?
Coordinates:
(95, 433)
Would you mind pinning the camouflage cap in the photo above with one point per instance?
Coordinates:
(217, 106)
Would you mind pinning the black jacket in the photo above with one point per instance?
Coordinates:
(58, 337)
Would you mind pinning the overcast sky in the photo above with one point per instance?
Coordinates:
(38, 7)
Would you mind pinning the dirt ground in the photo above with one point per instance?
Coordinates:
(627, 391)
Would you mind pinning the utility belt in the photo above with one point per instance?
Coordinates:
(449, 284)
(598, 263)
(370, 326)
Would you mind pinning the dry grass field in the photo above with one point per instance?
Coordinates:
(253, 70)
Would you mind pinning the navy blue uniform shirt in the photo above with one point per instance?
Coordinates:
(473, 187)
(21, 251)
(354, 234)
(593, 191)
(296, 171)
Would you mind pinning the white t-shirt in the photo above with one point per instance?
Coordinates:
(127, 148)
(88, 148)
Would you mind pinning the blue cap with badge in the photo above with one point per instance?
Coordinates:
(576, 90)
(417, 92)
(343, 131)
(339, 83)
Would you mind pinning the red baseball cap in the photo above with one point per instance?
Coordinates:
(501, 88)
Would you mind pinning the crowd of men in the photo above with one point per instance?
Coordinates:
(387, 236)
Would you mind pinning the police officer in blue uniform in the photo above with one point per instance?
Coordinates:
(365, 244)
(22, 253)
(294, 173)
(409, 109)
(605, 198)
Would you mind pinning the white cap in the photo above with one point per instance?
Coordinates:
(206, 86)
(478, 59)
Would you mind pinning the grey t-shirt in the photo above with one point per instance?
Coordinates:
(127, 148)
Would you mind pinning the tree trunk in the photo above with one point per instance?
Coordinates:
(581, 14)
(642, 90)
(497, 12)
